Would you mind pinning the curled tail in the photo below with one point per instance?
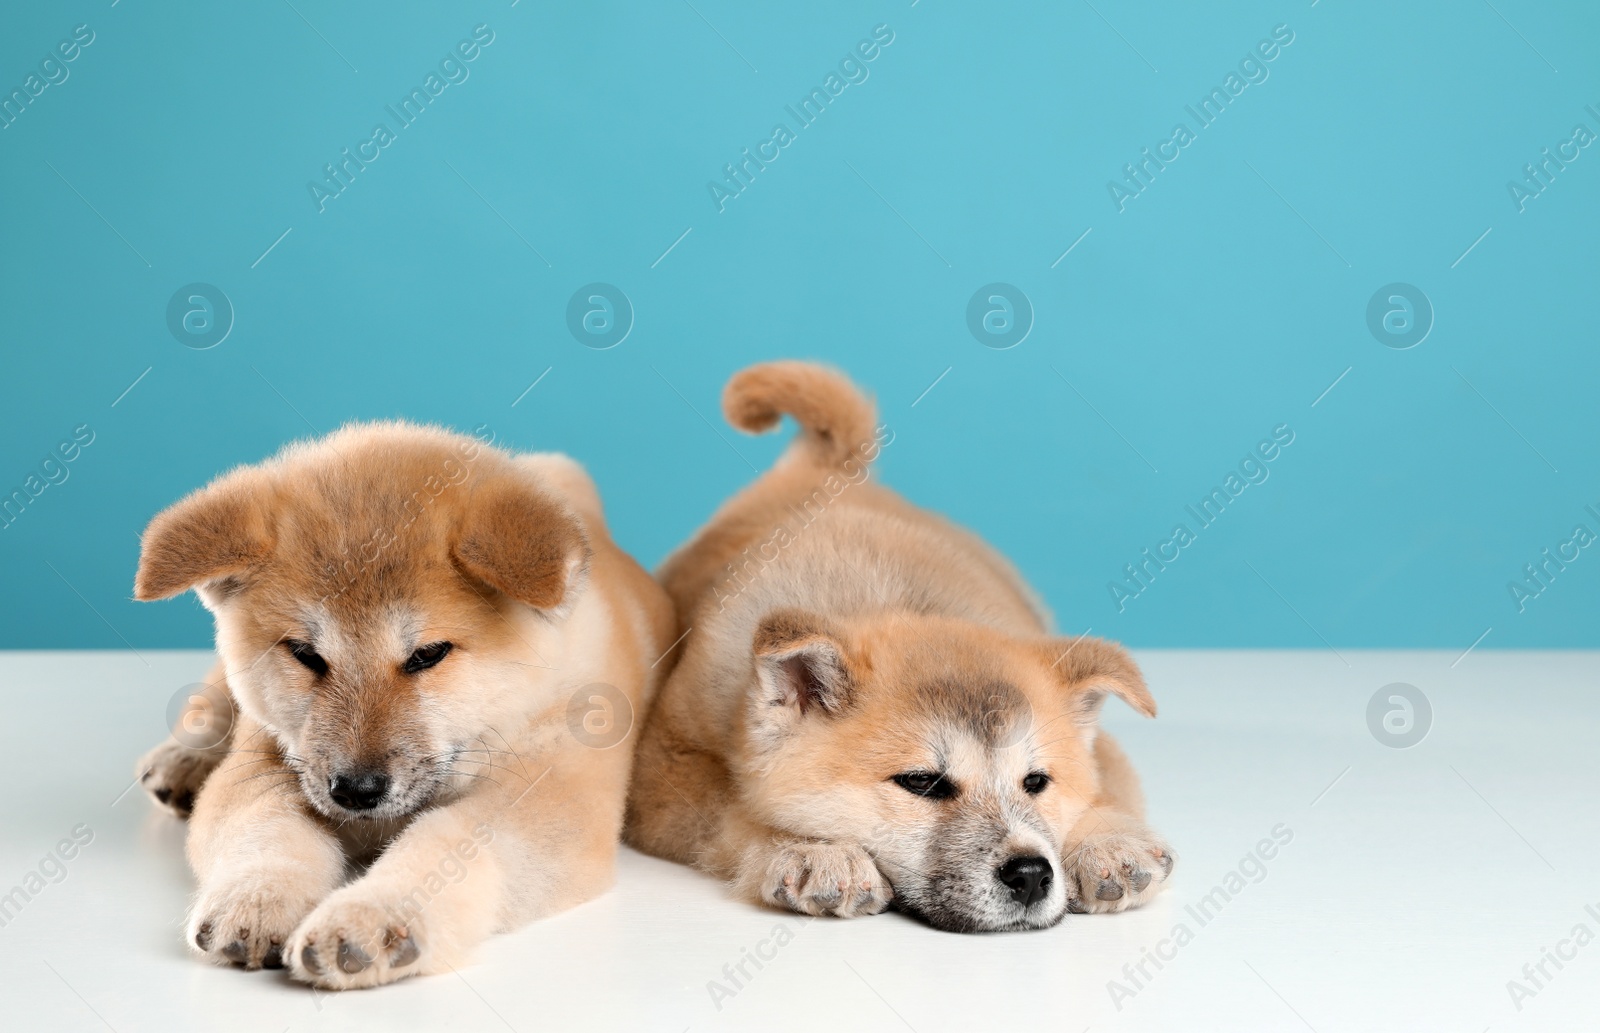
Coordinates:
(836, 419)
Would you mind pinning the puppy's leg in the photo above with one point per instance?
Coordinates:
(1112, 860)
(679, 809)
(542, 840)
(263, 858)
(812, 877)
(174, 771)
(675, 796)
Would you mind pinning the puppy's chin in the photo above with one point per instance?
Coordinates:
(956, 918)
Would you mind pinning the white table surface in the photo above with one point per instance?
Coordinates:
(1414, 890)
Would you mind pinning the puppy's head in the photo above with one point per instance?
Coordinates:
(380, 598)
(958, 756)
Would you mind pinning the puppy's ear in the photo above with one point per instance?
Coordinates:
(519, 539)
(801, 663)
(1088, 668)
(220, 531)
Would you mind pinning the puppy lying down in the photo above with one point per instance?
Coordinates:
(434, 652)
(869, 707)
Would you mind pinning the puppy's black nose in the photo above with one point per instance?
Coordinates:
(358, 790)
(1028, 878)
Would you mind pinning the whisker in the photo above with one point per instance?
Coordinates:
(285, 779)
(1050, 722)
(266, 774)
(256, 761)
(466, 760)
(479, 778)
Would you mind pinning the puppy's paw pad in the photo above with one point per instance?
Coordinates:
(173, 774)
(348, 943)
(825, 879)
(1114, 871)
(245, 921)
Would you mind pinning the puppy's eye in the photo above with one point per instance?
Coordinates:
(1034, 782)
(426, 657)
(310, 658)
(928, 784)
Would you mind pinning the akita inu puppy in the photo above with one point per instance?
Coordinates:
(869, 706)
(431, 655)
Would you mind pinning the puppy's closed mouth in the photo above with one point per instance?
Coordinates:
(964, 924)
(1042, 915)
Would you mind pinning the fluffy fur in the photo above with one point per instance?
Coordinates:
(335, 572)
(869, 707)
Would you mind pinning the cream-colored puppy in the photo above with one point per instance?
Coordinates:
(870, 707)
(431, 657)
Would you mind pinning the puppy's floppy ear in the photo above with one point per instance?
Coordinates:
(801, 663)
(520, 539)
(220, 531)
(1088, 668)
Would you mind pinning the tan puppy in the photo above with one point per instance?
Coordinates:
(869, 707)
(434, 651)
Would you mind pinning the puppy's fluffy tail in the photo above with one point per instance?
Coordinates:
(836, 419)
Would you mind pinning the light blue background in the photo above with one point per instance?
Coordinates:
(1220, 304)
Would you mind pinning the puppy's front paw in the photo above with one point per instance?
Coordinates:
(825, 879)
(173, 773)
(245, 919)
(1114, 871)
(352, 940)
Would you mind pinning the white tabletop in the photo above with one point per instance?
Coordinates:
(1418, 884)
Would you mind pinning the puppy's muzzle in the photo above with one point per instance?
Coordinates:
(1028, 879)
(358, 790)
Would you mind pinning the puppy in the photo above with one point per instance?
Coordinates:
(869, 707)
(419, 731)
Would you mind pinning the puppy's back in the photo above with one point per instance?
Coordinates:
(816, 533)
